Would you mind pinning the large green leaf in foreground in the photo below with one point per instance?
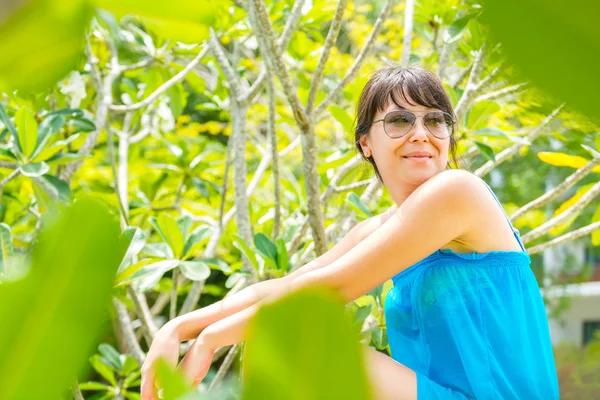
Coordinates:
(555, 43)
(303, 347)
(42, 40)
(53, 318)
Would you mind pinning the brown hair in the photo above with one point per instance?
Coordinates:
(387, 83)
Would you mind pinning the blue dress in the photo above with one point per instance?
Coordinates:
(472, 326)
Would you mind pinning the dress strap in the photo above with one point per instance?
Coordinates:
(516, 232)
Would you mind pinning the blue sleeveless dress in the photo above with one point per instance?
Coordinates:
(472, 326)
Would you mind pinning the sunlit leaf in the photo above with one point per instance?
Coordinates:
(532, 31)
(42, 41)
(287, 352)
(58, 311)
(6, 247)
(27, 129)
(195, 270)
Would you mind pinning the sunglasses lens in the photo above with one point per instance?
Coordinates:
(398, 123)
(439, 124)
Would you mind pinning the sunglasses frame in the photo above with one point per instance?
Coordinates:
(413, 124)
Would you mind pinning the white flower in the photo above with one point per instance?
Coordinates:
(163, 118)
(74, 88)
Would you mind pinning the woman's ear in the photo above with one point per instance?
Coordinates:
(365, 146)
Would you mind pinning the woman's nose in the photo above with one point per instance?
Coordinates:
(418, 131)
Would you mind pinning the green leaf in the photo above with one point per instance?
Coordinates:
(6, 247)
(134, 238)
(486, 150)
(171, 380)
(245, 249)
(10, 126)
(42, 41)
(282, 255)
(198, 236)
(147, 277)
(342, 116)
(111, 355)
(168, 229)
(48, 127)
(478, 114)
(27, 128)
(361, 314)
(58, 311)
(57, 189)
(457, 28)
(531, 32)
(103, 369)
(358, 206)
(200, 11)
(47, 152)
(265, 246)
(94, 386)
(379, 337)
(195, 270)
(286, 348)
(34, 170)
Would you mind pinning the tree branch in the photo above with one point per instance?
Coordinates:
(364, 52)
(128, 333)
(332, 36)
(586, 230)
(273, 53)
(562, 217)
(282, 42)
(230, 74)
(229, 359)
(471, 88)
(409, 11)
(557, 191)
(163, 88)
(501, 92)
(512, 150)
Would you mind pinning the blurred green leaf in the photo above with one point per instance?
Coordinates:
(244, 248)
(111, 355)
(195, 270)
(6, 247)
(265, 246)
(103, 369)
(201, 11)
(41, 42)
(287, 353)
(478, 114)
(34, 170)
(358, 206)
(168, 229)
(58, 311)
(342, 116)
(547, 38)
(457, 28)
(172, 381)
(134, 239)
(282, 255)
(486, 150)
(27, 129)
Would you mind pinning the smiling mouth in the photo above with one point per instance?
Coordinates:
(416, 157)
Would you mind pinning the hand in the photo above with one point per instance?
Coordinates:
(166, 345)
(196, 362)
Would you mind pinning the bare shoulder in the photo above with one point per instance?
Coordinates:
(460, 188)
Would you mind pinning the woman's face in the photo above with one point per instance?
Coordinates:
(390, 154)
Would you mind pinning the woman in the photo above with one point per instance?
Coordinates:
(465, 316)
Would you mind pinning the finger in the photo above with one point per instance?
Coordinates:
(147, 389)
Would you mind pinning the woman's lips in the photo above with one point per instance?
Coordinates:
(419, 160)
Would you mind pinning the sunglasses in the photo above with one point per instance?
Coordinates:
(399, 122)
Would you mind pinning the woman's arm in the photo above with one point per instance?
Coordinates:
(444, 208)
(189, 326)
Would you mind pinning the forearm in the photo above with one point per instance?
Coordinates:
(189, 326)
(233, 329)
